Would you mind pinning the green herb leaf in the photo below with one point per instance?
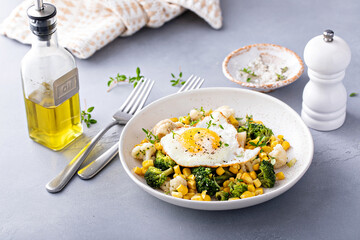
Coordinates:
(177, 80)
(354, 94)
(85, 116)
(284, 69)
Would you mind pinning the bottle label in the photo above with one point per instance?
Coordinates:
(66, 86)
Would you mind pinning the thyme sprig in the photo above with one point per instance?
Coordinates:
(123, 78)
(86, 117)
(177, 80)
(152, 138)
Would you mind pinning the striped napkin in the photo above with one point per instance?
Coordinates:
(85, 26)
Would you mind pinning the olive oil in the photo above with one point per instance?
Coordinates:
(50, 83)
(54, 126)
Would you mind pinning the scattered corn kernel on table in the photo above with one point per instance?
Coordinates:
(322, 205)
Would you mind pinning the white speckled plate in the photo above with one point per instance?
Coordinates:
(241, 57)
(274, 113)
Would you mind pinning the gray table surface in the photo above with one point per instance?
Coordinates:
(324, 204)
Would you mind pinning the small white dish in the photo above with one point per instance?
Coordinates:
(241, 57)
(274, 113)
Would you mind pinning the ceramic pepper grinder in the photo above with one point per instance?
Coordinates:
(324, 96)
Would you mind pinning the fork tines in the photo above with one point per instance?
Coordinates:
(138, 96)
(193, 82)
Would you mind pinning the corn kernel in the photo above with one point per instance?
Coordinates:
(174, 119)
(207, 198)
(262, 155)
(265, 158)
(177, 194)
(246, 177)
(177, 169)
(274, 143)
(285, 145)
(197, 197)
(189, 195)
(280, 176)
(258, 122)
(143, 170)
(158, 146)
(226, 183)
(146, 164)
(191, 184)
(192, 190)
(137, 170)
(256, 167)
(258, 191)
(220, 171)
(253, 175)
(272, 138)
(238, 176)
(257, 183)
(266, 149)
(251, 188)
(175, 175)
(187, 172)
(144, 141)
(247, 194)
(185, 120)
(203, 194)
(280, 136)
(233, 170)
(232, 179)
(233, 121)
(233, 198)
(226, 189)
(183, 189)
(191, 177)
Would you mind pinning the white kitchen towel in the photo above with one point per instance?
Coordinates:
(85, 26)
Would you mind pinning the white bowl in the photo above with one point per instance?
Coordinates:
(274, 113)
(241, 57)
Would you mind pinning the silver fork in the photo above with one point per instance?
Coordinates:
(131, 106)
(98, 164)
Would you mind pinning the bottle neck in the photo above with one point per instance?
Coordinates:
(50, 42)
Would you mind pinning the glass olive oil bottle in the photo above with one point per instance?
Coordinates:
(50, 83)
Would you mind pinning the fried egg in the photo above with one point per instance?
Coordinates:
(212, 143)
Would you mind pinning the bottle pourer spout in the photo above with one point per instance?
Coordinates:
(39, 5)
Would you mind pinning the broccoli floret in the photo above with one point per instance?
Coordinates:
(267, 174)
(205, 180)
(259, 130)
(225, 176)
(163, 161)
(255, 130)
(236, 189)
(222, 196)
(155, 177)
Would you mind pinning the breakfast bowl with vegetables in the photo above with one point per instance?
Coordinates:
(216, 148)
(263, 67)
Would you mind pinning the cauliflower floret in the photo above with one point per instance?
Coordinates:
(165, 186)
(143, 151)
(226, 111)
(176, 182)
(280, 156)
(164, 127)
(196, 114)
(241, 138)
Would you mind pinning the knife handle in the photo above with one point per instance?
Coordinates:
(60, 181)
(98, 164)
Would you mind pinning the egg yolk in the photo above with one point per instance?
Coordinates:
(199, 139)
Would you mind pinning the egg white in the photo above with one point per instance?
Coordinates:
(229, 152)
